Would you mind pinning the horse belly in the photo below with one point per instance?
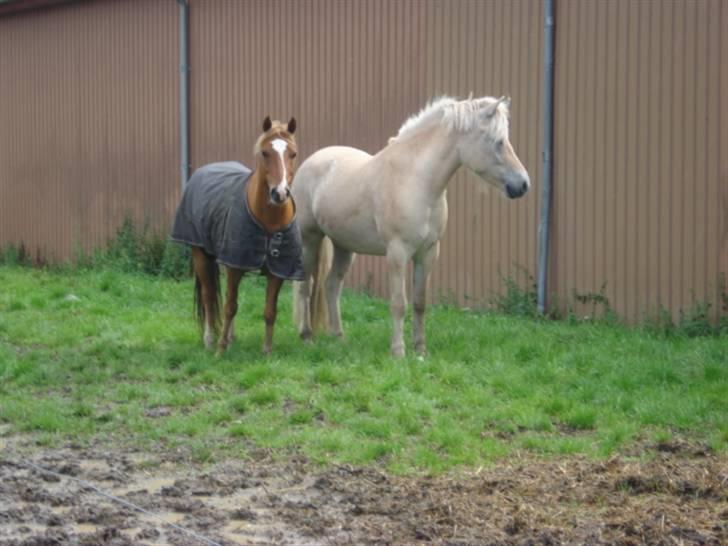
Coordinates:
(349, 225)
(360, 241)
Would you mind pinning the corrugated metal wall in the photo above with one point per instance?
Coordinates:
(641, 185)
(352, 72)
(89, 122)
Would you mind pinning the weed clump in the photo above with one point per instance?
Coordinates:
(140, 250)
(15, 255)
(517, 300)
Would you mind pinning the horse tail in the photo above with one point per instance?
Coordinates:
(213, 274)
(317, 301)
(319, 305)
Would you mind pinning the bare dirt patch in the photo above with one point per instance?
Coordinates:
(678, 496)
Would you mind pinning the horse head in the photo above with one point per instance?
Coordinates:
(486, 150)
(275, 155)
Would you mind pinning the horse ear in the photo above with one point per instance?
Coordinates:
(493, 109)
(292, 125)
(267, 124)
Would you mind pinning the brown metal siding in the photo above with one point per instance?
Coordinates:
(352, 72)
(89, 115)
(638, 148)
(89, 122)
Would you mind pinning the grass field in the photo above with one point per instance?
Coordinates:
(117, 357)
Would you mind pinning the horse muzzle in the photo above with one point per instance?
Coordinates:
(279, 196)
(518, 186)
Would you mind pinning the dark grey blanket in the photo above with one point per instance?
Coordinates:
(214, 215)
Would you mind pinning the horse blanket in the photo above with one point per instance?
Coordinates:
(215, 216)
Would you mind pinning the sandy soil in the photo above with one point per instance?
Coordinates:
(677, 495)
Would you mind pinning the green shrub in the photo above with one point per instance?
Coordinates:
(517, 300)
(135, 250)
(15, 255)
(176, 261)
(695, 321)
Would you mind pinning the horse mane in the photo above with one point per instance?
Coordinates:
(458, 115)
(279, 129)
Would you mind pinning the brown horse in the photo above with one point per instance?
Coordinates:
(245, 221)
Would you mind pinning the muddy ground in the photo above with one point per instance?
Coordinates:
(677, 494)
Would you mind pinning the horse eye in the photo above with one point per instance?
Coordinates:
(265, 154)
(499, 145)
(293, 155)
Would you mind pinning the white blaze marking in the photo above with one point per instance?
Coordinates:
(280, 146)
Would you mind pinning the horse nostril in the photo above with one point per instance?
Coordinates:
(524, 187)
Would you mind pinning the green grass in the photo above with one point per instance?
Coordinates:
(117, 357)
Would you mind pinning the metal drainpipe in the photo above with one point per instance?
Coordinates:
(184, 71)
(548, 107)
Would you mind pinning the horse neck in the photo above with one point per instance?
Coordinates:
(437, 149)
(271, 217)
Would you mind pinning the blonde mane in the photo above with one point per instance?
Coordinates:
(458, 115)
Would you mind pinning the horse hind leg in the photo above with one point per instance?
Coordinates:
(339, 268)
(230, 309)
(207, 286)
(307, 292)
(422, 267)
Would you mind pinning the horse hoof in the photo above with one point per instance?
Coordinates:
(307, 337)
(397, 352)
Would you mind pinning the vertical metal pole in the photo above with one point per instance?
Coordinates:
(547, 168)
(184, 70)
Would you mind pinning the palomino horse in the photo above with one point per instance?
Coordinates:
(394, 204)
(246, 222)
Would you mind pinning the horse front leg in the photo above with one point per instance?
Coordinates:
(396, 267)
(206, 283)
(271, 309)
(230, 309)
(423, 266)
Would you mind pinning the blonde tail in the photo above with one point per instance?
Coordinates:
(319, 307)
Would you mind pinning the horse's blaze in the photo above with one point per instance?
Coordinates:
(280, 146)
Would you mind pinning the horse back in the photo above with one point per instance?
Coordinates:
(335, 192)
(202, 212)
